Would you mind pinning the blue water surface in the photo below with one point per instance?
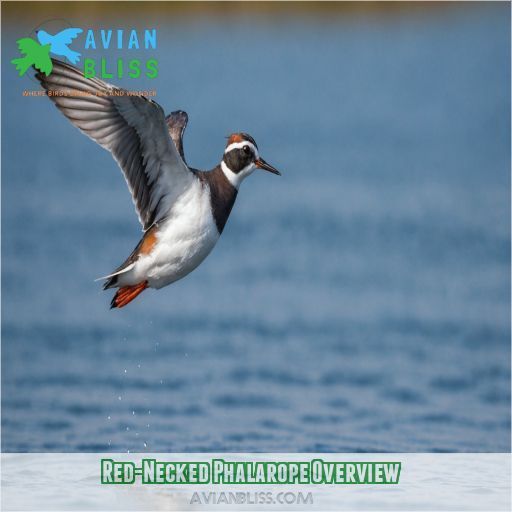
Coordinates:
(360, 302)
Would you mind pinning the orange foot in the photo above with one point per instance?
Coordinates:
(126, 294)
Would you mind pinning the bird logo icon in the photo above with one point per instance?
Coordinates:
(37, 54)
(60, 41)
(34, 55)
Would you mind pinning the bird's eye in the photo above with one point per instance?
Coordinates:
(247, 150)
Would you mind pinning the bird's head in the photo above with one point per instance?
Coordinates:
(241, 158)
(43, 37)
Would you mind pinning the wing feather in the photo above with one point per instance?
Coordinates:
(132, 128)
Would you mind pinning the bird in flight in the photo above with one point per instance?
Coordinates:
(182, 210)
(34, 55)
(59, 42)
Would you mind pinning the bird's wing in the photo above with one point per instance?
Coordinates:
(67, 35)
(132, 128)
(177, 122)
(28, 46)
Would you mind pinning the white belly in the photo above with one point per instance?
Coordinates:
(184, 240)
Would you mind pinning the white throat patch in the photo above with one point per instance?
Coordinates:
(236, 178)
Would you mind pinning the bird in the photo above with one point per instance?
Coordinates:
(183, 211)
(59, 42)
(35, 55)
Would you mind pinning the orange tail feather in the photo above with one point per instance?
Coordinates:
(126, 294)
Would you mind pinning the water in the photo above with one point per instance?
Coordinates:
(358, 303)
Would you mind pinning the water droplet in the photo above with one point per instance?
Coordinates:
(149, 411)
(127, 428)
(108, 417)
(138, 366)
(133, 413)
(145, 445)
(119, 397)
(147, 426)
(125, 370)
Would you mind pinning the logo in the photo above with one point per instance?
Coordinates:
(37, 54)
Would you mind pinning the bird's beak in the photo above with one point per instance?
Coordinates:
(261, 164)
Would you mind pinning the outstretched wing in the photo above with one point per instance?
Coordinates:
(67, 35)
(177, 122)
(132, 128)
(28, 46)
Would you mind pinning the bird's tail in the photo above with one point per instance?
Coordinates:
(72, 56)
(126, 294)
(22, 64)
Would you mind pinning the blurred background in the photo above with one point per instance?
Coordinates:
(361, 302)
